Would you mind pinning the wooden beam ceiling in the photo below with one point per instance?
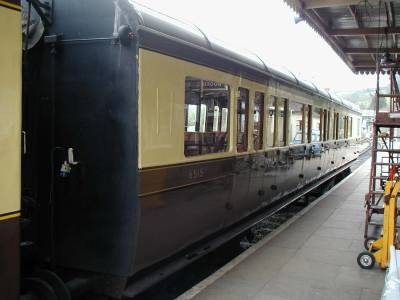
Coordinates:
(391, 22)
(359, 23)
(370, 50)
(363, 31)
(312, 4)
(359, 65)
(319, 15)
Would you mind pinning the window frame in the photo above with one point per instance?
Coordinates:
(206, 131)
(302, 123)
(314, 110)
(341, 123)
(271, 102)
(280, 101)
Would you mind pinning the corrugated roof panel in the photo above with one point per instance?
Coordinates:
(236, 52)
(396, 7)
(279, 70)
(355, 42)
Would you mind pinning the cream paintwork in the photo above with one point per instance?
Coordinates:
(10, 110)
(161, 107)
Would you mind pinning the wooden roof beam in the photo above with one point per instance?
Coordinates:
(391, 21)
(359, 65)
(353, 12)
(363, 31)
(370, 50)
(312, 4)
(393, 14)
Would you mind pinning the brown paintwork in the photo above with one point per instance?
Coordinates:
(185, 203)
(9, 259)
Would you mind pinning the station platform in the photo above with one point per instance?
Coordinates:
(312, 256)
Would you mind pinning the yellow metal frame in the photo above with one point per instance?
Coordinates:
(389, 231)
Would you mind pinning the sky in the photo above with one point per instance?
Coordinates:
(267, 28)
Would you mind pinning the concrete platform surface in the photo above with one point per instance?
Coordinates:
(313, 258)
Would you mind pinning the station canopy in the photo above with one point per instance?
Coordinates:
(360, 31)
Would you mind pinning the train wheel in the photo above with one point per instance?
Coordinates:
(40, 288)
(55, 282)
(368, 243)
(366, 260)
(329, 185)
(250, 235)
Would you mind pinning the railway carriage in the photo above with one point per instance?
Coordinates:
(147, 140)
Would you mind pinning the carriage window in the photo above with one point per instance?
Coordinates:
(191, 113)
(335, 125)
(203, 115)
(296, 123)
(282, 108)
(334, 136)
(316, 125)
(341, 127)
(321, 124)
(216, 119)
(328, 125)
(206, 116)
(224, 119)
(258, 119)
(242, 119)
(354, 127)
(271, 121)
(350, 129)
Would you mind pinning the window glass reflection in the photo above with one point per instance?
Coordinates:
(316, 125)
(282, 107)
(296, 123)
(341, 127)
(258, 120)
(242, 120)
(206, 116)
(271, 121)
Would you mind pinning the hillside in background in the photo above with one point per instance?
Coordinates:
(363, 98)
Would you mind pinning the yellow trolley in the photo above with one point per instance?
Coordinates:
(379, 250)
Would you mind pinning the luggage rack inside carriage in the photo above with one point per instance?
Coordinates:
(385, 150)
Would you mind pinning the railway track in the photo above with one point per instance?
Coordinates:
(183, 280)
